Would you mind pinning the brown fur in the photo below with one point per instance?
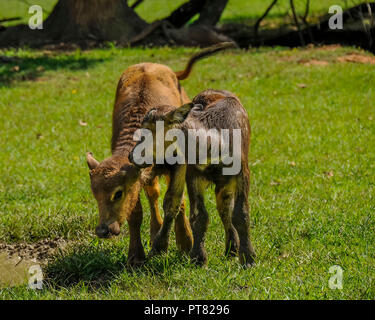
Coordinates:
(115, 182)
(211, 109)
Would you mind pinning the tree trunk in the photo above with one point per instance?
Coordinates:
(211, 12)
(80, 21)
(201, 33)
(185, 12)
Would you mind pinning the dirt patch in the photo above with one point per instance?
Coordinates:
(17, 258)
(307, 61)
(39, 251)
(14, 270)
(328, 59)
(41, 79)
(357, 58)
(331, 47)
(313, 62)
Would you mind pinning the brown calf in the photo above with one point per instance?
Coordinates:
(211, 109)
(115, 182)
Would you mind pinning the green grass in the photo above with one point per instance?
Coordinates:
(303, 220)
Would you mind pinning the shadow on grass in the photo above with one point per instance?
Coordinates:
(98, 267)
(17, 69)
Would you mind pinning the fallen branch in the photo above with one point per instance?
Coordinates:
(146, 32)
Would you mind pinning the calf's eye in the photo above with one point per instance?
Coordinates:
(118, 195)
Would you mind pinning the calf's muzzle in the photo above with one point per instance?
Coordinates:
(105, 231)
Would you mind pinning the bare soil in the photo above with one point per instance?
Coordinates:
(39, 251)
(17, 258)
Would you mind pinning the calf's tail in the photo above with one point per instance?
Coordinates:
(182, 75)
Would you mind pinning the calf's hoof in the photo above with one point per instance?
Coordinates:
(231, 249)
(136, 261)
(247, 260)
(198, 258)
(230, 253)
(158, 247)
(232, 243)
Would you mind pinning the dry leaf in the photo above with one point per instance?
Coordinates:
(292, 163)
(16, 68)
(301, 85)
(255, 163)
(329, 173)
(284, 255)
(275, 183)
(82, 123)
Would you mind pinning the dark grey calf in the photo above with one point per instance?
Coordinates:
(211, 111)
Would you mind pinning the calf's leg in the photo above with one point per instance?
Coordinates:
(225, 198)
(241, 221)
(136, 254)
(171, 205)
(198, 218)
(184, 237)
(153, 193)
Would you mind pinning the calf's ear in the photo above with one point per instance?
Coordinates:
(91, 161)
(180, 114)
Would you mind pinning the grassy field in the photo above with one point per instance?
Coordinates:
(312, 166)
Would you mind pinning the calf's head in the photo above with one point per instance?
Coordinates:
(115, 186)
